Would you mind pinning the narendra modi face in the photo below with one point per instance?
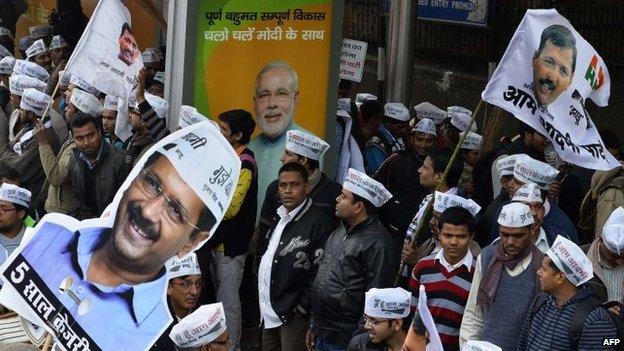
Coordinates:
(275, 99)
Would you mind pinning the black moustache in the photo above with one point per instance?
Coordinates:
(144, 224)
(548, 83)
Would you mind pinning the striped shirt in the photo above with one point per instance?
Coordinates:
(447, 294)
(613, 279)
(549, 329)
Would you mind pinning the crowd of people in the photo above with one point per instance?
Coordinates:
(514, 249)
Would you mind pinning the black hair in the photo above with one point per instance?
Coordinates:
(82, 119)
(295, 167)
(457, 216)
(370, 208)
(370, 109)
(440, 158)
(418, 325)
(9, 172)
(125, 27)
(610, 139)
(345, 84)
(314, 164)
(552, 265)
(561, 37)
(524, 128)
(239, 121)
(21, 208)
(8, 43)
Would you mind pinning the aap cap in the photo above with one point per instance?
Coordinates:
(478, 345)
(110, 103)
(64, 78)
(505, 165)
(5, 32)
(391, 303)
(160, 77)
(160, 105)
(343, 114)
(613, 231)
(86, 102)
(528, 193)
(530, 170)
(344, 104)
(157, 51)
(179, 267)
(515, 215)
(571, 260)
(426, 126)
(34, 101)
(4, 52)
(149, 56)
(429, 110)
(361, 184)
(361, 97)
(18, 83)
(460, 118)
(444, 201)
(6, 65)
(82, 84)
(41, 31)
(31, 69)
(58, 42)
(189, 116)
(200, 327)
(305, 144)
(38, 47)
(15, 194)
(397, 111)
(472, 141)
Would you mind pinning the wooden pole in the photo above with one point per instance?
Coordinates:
(47, 343)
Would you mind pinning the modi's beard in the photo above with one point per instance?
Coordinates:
(275, 129)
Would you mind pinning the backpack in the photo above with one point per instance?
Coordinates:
(581, 313)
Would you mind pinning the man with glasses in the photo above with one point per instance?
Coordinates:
(202, 330)
(14, 203)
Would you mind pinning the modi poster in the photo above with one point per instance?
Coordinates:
(236, 38)
(544, 79)
(100, 284)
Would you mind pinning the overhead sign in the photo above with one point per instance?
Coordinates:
(352, 59)
(473, 12)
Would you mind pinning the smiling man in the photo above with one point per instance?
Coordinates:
(553, 64)
(128, 48)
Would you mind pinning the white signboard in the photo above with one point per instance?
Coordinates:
(352, 59)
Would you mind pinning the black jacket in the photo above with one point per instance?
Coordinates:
(324, 195)
(356, 260)
(296, 259)
(362, 342)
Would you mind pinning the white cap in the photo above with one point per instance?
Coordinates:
(64, 78)
(110, 103)
(31, 69)
(160, 105)
(429, 110)
(472, 141)
(343, 113)
(443, 201)
(530, 170)
(58, 42)
(6, 65)
(505, 165)
(15, 194)
(613, 231)
(361, 184)
(528, 193)
(179, 267)
(361, 97)
(5, 32)
(344, 104)
(203, 147)
(4, 52)
(305, 144)
(200, 327)
(189, 116)
(82, 84)
(38, 47)
(149, 56)
(86, 102)
(41, 31)
(391, 303)
(478, 345)
(571, 260)
(515, 215)
(18, 83)
(460, 118)
(34, 101)
(160, 77)
(396, 110)
(426, 126)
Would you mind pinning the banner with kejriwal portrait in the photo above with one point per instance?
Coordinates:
(544, 79)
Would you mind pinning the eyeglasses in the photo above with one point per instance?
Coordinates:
(4, 210)
(151, 187)
(280, 95)
(374, 322)
(185, 284)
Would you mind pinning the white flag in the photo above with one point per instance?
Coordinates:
(544, 78)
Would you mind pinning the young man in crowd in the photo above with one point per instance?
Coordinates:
(204, 329)
(109, 120)
(470, 151)
(14, 203)
(389, 137)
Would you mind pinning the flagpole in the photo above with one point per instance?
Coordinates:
(47, 109)
(426, 217)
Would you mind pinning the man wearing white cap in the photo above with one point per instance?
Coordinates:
(14, 204)
(109, 120)
(385, 320)
(456, 122)
(504, 283)
(158, 85)
(118, 274)
(347, 135)
(289, 257)
(6, 69)
(22, 153)
(203, 330)
(606, 254)
(17, 84)
(370, 116)
(38, 53)
(59, 50)
(307, 150)
(550, 325)
(470, 151)
(152, 64)
(358, 256)
(389, 137)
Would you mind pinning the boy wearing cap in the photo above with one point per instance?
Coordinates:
(562, 275)
(109, 120)
(14, 203)
(385, 320)
(203, 330)
(470, 151)
(389, 136)
(358, 256)
(504, 283)
(38, 53)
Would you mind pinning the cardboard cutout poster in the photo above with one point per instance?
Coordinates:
(61, 277)
(544, 78)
